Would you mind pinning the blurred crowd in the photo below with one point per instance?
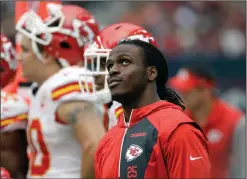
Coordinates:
(190, 27)
(193, 26)
(186, 31)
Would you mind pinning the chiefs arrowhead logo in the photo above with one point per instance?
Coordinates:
(133, 152)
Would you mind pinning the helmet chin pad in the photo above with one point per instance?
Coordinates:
(99, 96)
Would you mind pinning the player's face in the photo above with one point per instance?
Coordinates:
(28, 59)
(127, 74)
(100, 79)
(193, 98)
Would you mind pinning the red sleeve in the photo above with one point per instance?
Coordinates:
(96, 165)
(186, 154)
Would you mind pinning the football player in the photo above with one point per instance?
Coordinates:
(13, 117)
(95, 56)
(64, 126)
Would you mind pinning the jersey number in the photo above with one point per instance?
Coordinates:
(40, 158)
(132, 172)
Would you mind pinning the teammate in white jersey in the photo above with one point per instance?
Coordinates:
(97, 54)
(64, 126)
(13, 116)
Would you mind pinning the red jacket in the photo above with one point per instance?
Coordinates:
(219, 129)
(159, 142)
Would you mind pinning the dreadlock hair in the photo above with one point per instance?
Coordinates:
(154, 57)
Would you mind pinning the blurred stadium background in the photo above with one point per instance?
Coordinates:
(211, 32)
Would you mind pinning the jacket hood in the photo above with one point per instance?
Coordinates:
(140, 113)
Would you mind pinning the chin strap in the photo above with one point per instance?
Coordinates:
(64, 63)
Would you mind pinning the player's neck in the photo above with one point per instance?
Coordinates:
(201, 114)
(47, 73)
(146, 98)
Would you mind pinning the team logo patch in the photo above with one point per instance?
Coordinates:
(214, 136)
(133, 152)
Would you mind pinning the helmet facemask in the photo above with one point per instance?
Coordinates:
(47, 32)
(92, 62)
(33, 27)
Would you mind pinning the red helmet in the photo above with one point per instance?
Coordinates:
(5, 174)
(63, 34)
(8, 61)
(107, 39)
(111, 35)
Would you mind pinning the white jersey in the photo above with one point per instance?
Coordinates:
(24, 92)
(55, 151)
(14, 111)
(113, 113)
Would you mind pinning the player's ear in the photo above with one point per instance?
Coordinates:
(152, 73)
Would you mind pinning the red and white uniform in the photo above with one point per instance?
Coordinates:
(55, 150)
(113, 109)
(114, 112)
(14, 111)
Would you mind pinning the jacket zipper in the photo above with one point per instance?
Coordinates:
(125, 131)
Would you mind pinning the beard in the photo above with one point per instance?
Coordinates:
(131, 96)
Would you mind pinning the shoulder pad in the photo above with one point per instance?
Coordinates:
(14, 109)
(65, 85)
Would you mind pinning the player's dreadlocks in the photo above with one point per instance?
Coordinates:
(153, 57)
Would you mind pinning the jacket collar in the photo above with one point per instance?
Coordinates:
(140, 113)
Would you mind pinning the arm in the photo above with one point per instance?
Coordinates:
(186, 154)
(13, 153)
(238, 151)
(87, 127)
